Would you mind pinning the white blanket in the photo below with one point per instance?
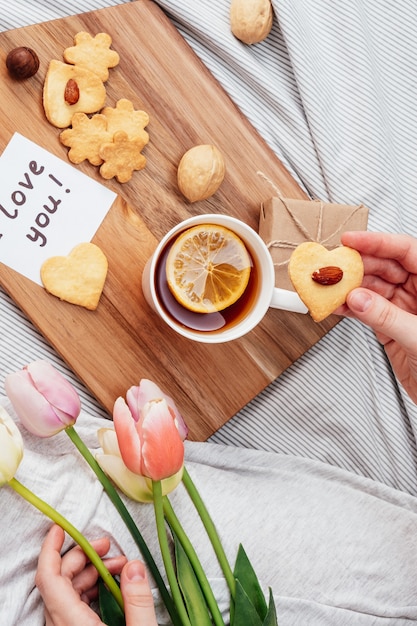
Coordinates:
(333, 91)
(336, 548)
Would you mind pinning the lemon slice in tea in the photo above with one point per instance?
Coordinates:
(208, 268)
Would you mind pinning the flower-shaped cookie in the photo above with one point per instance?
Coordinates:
(121, 157)
(85, 138)
(92, 53)
(124, 117)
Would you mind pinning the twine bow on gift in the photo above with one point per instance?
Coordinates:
(317, 238)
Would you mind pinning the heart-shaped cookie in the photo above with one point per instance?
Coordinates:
(323, 278)
(77, 278)
(87, 93)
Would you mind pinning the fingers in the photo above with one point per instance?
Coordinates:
(137, 595)
(388, 271)
(388, 320)
(64, 582)
(76, 567)
(75, 560)
(49, 562)
(401, 248)
(56, 591)
(85, 582)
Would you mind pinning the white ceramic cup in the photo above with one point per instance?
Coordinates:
(265, 295)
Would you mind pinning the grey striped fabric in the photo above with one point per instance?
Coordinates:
(333, 91)
(25, 12)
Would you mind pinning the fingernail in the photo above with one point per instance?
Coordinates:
(359, 301)
(135, 571)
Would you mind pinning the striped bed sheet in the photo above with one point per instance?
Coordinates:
(332, 90)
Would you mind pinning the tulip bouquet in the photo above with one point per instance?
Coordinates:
(142, 456)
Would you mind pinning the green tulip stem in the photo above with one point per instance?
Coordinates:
(211, 531)
(128, 520)
(177, 528)
(78, 537)
(165, 551)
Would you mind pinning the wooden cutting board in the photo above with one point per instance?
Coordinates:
(121, 342)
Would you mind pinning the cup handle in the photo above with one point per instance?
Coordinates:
(287, 300)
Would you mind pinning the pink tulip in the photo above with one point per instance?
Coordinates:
(149, 440)
(43, 399)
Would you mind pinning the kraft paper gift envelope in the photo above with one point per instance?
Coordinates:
(285, 223)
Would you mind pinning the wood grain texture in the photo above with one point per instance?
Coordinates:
(122, 341)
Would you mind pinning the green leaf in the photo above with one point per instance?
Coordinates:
(271, 617)
(193, 596)
(110, 612)
(246, 576)
(244, 614)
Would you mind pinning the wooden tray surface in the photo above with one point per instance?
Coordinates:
(122, 341)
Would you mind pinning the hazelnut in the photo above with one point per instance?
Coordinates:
(22, 62)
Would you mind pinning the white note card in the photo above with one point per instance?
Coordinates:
(47, 206)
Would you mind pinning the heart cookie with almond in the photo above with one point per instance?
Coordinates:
(69, 89)
(77, 278)
(323, 278)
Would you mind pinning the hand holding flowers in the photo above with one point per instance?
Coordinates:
(11, 455)
(144, 457)
(69, 583)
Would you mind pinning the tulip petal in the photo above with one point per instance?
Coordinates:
(33, 410)
(132, 485)
(147, 390)
(171, 483)
(180, 423)
(133, 400)
(127, 436)
(107, 439)
(57, 390)
(163, 448)
(11, 447)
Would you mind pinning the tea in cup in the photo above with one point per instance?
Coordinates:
(212, 279)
